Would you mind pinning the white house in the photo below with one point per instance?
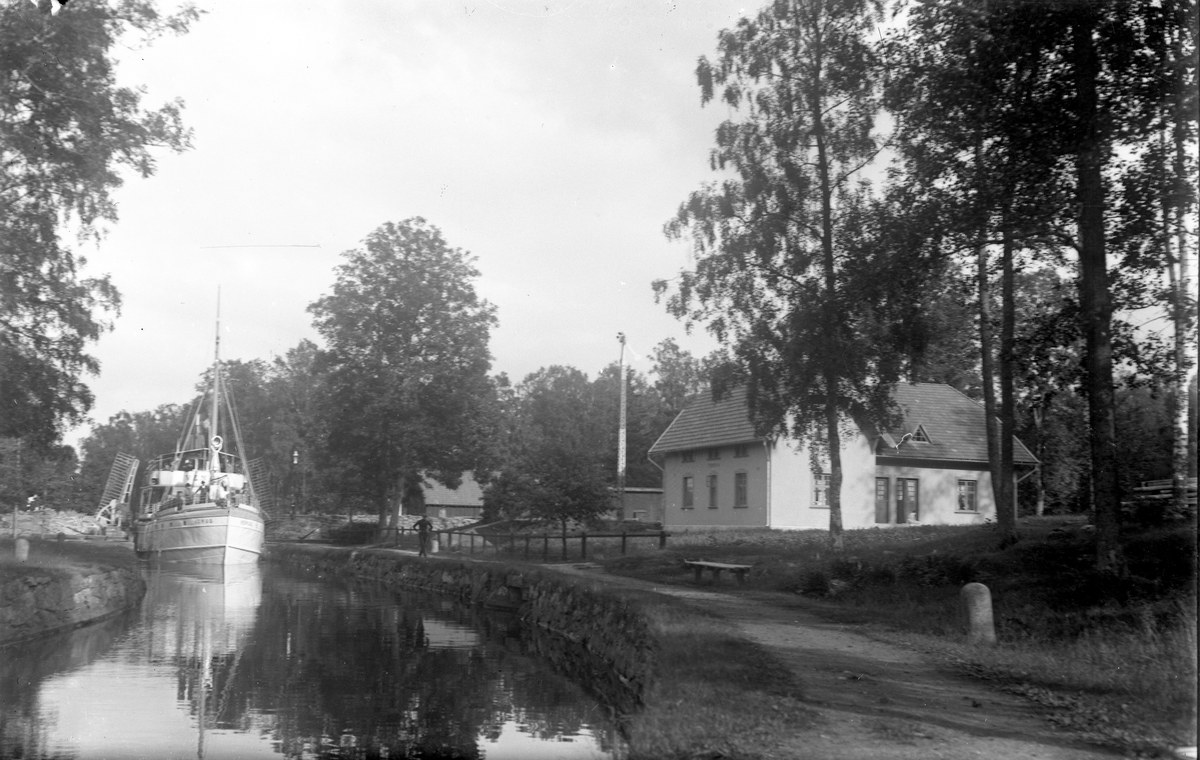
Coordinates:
(932, 470)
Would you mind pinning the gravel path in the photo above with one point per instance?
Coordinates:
(876, 700)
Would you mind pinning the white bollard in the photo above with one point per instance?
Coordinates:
(22, 549)
(977, 599)
(433, 546)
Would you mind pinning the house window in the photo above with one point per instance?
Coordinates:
(741, 450)
(714, 453)
(919, 435)
(638, 516)
(712, 491)
(966, 496)
(689, 492)
(688, 456)
(821, 490)
(739, 489)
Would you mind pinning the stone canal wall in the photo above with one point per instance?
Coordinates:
(613, 648)
(46, 601)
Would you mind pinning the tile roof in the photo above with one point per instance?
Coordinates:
(468, 494)
(955, 424)
(704, 422)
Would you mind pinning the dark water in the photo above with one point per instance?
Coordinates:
(263, 662)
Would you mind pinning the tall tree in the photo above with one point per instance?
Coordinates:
(558, 463)
(407, 361)
(1157, 204)
(1103, 86)
(964, 88)
(771, 276)
(67, 131)
(296, 453)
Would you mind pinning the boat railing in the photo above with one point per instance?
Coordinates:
(190, 498)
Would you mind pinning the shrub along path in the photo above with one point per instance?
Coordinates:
(873, 699)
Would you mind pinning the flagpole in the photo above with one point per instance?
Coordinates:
(621, 433)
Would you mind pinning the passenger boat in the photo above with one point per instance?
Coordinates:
(199, 503)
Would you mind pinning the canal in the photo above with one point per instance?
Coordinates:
(265, 661)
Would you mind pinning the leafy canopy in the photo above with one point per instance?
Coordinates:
(406, 362)
(67, 130)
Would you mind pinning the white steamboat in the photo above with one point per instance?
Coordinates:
(199, 504)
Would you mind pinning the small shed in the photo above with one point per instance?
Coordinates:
(641, 504)
(464, 501)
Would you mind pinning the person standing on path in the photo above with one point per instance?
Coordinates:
(423, 527)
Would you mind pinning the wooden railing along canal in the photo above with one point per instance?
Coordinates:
(527, 545)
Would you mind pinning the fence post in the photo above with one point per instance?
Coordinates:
(623, 543)
(662, 539)
(545, 547)
(564, 540)
(583, 545)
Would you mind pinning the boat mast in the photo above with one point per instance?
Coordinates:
(214, 415)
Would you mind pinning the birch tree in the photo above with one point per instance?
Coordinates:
(771, 279)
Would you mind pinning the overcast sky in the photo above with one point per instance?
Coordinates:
(552, 140)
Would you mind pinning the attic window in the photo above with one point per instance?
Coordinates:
(919, 435)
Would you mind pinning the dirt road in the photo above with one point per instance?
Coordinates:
(877, 700)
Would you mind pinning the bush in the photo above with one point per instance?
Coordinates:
(815, 583)
(937, 570)
(354, 533)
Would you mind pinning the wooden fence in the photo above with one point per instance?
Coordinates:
(526, 545)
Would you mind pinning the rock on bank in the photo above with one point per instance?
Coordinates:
(64, 586)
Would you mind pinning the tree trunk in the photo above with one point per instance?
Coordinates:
(411, 501)
(837, 538)
(987, 372)
(1006, 507)
(830, 317)
(1094, 296)
(1175, 219)
(382, 510)
(1040, 451)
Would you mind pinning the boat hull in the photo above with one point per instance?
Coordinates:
(205, 533)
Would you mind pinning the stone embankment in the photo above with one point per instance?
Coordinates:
(47, 601)
(592, 634)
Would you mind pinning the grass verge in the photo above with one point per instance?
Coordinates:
(713, 694)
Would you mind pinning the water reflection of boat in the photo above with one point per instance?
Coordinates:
(187, 599)
(203, 617)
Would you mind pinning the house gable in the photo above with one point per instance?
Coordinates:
(705, 423)
(954, 426)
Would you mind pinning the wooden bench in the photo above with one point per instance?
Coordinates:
(700, 566)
